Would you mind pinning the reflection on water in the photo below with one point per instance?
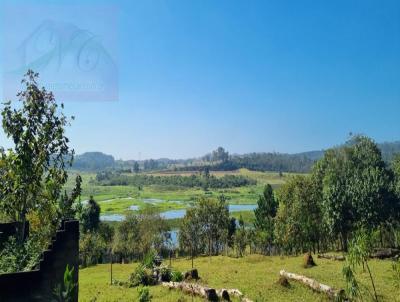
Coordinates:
(112, 217)
(175, 214)
(152, 200)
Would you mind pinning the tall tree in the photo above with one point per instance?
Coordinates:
(299, 219)
(241, 238)
(220, 155)
(136, 167)
(67, 201)
(264, 216)
(139, 233)
(36, 163)
(356, 187)
(91, 216)
(205, 226)
(396, 172)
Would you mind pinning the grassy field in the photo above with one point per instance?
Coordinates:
(118, 199)
(254, 275)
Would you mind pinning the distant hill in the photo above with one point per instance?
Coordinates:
(279, 162)
(93, 161)
(388, 149)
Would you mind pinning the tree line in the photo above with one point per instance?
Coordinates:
(203, 180)
(350, 190)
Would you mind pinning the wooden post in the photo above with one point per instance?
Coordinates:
(111, 263)
(191, 252)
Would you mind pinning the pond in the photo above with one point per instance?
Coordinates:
(175, 214)
(152, 200)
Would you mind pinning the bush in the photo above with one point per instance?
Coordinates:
(176, 276)
(142, 276)
(65, 292)
(15, 257)
(165, 274)
(149, 259)
(193, 274)
(144, 294)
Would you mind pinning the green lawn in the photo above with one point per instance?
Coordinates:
(254, 275)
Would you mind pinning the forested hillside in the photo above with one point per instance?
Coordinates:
(93, 161)
(219, 160)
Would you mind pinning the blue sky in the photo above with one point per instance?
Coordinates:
(285, 76)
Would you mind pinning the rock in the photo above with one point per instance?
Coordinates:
(224, 294)
(383, 253)
(283, 281)
(308, 261)
(192, 275)
(211, 294)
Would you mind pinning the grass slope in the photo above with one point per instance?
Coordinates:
(254, 275)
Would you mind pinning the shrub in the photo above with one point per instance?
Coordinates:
(176, 276)
(149, 259)
(165, 274)
(193, 274)
(65, 292)
(144, 294)
(16, 257)
(142, 276)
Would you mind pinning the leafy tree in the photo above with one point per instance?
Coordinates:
(139, 233)
(136, 167)
(126, 237)
(190, 233)
(298, 220)
(207, 172)
(66, 202)
(264, 216)
(32, 173)
(153, 231)
(231, 231)
(356, 187)
(396, 172)
(91, 247)
(220, 155)
(214, 219)
(240, 238)
(91, 216)
(205, 226)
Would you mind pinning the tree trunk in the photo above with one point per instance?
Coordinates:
(344, 242)
(332, 257)
(319, 287)
(208, 293)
